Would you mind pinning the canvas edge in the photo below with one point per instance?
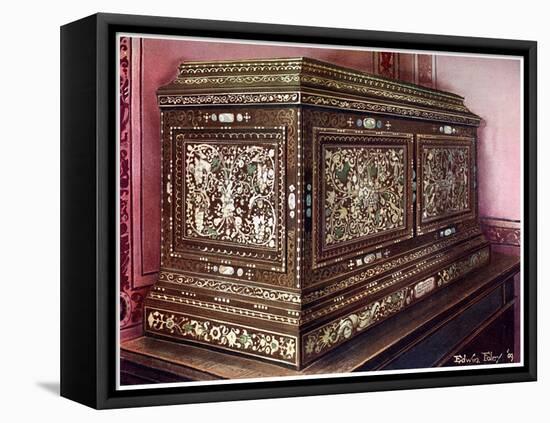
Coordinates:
(78, 337)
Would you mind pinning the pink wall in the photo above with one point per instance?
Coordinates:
(491, 88)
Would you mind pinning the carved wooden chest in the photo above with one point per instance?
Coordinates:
(304, 203)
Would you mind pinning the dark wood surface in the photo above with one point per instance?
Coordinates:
(369, 351)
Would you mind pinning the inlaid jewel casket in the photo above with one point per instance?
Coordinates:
(303, 203)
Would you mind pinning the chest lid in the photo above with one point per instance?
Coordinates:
(308, 81)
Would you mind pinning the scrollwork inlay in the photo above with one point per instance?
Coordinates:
(231, 287)
(224, 335)
(230, 193)
(364, 191)
(446, 180)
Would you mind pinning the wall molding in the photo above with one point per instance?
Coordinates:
(502, 231)
(131, 294)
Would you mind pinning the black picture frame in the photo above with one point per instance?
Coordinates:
(88, 212)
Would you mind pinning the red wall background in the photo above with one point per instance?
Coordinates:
(491, 88)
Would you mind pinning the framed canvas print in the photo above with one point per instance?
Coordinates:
(254, 211)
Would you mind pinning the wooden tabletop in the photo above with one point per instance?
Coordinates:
(200, 363)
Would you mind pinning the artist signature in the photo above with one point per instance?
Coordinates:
(485, 357)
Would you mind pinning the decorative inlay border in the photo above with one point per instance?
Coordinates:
(317, 81)
(224, 99)
(230, 287)
(224, 335)
(230, 66)
(223, 72)
(462, 267)
(375, 81)
(321, 340)
(223, 308)
(368, 91)
(385, 267)
(238, 79)
(325, 338)
(316, 100)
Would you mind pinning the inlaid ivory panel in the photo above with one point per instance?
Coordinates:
(229, 192)
(446, 180)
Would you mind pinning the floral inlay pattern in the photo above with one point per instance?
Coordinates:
(445, 182)
(230, 193)
(224, 335)
(462, 267)
(231, 287)
(364, 191)
(328, 336)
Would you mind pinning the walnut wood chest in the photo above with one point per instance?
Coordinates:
(303, 203)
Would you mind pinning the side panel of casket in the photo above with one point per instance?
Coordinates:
(363, 240)
(446, 181)
(230, 224)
